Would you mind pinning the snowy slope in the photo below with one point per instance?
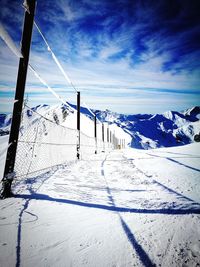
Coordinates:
(116, 209)
(62, 115)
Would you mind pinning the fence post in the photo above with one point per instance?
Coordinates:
(113, 140)
(103, 137)
(19, 97)
(108, 134)
(95, 133)
(78, 124)
(102, 132)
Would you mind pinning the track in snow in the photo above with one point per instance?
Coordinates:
(102, 212)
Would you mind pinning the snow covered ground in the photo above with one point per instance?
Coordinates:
(124, 208)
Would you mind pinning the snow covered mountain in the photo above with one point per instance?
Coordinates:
(160, 130)
(144, 130)
(5, 121)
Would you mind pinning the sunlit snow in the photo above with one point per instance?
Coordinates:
(127, 207)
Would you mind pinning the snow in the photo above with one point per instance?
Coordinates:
(126, 208)
(123, 208)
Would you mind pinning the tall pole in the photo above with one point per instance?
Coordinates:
(108, 134)
(113, 140)
(19, 97)
(95, 133)
(103, 137)
(102, 132)
(78, 124)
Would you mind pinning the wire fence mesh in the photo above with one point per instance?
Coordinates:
(44, 143)
(90, 145)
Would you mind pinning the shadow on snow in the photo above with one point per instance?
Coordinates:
(173, 211)
(138, 248)
(175, 161)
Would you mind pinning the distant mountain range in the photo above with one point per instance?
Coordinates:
(171, 128)
(160, 130)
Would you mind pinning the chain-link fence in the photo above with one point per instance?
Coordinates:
(43, 144)
(90, 145)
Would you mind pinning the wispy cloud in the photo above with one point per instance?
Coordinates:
(112, 50)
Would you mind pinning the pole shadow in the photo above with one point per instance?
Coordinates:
(29, 182)
(144, 257)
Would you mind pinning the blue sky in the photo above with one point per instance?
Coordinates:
(127, 56)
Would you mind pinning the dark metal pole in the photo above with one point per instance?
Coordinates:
(78, 124)
(95, 133)
(103, 137)
(102, 132)
(108, 134)
(19, 97)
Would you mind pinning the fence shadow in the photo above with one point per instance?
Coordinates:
(182, 154)
(30, 182)
(182, 164)
(179, 195)
(19, 233)
(169, 211)
(193, 208)
(175, 161)
(32, 195)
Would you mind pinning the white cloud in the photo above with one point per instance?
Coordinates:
(98, 78)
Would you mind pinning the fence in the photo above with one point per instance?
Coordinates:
(44, 143)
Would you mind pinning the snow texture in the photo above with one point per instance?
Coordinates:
(129, 207)
(124, 208)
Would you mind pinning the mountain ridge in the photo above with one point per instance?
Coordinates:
(170, 128)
